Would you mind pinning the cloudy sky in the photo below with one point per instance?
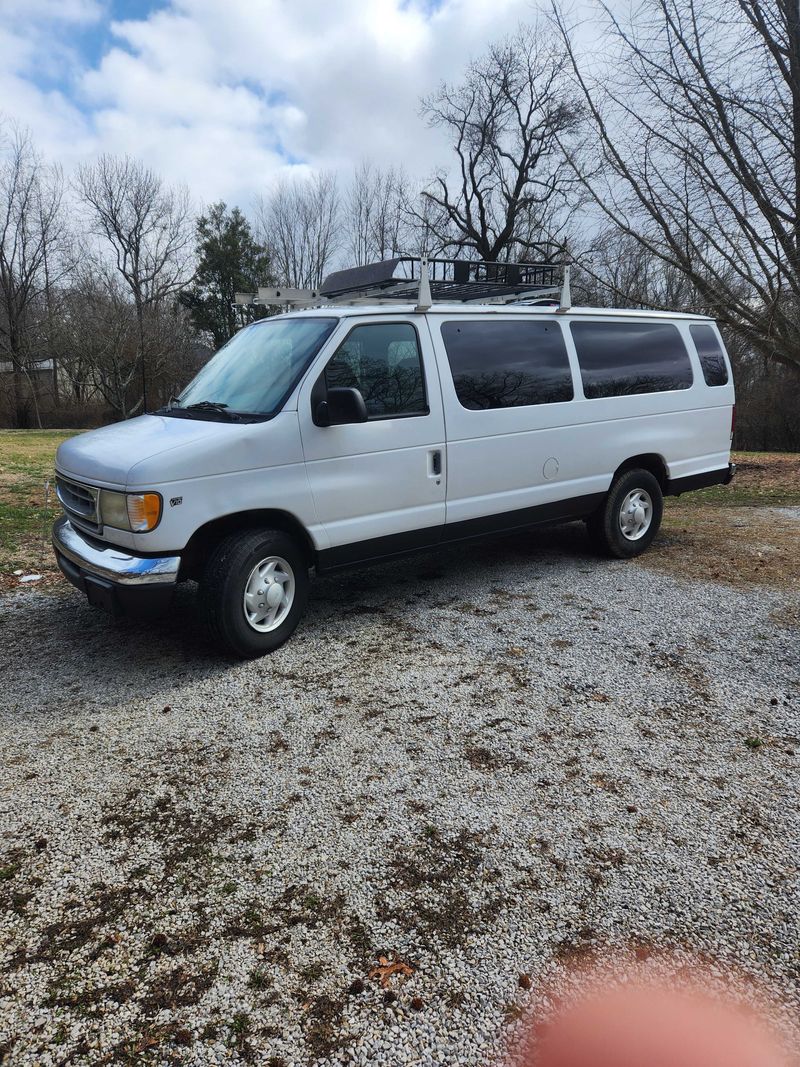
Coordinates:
(225, 95)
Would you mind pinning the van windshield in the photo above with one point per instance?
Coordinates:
(256, 370)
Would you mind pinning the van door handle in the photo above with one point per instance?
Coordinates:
(436, 462)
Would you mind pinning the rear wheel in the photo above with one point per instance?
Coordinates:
(254, 591)
(630, 517)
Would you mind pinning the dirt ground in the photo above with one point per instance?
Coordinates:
(738, 546)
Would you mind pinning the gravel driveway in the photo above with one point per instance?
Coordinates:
(480, 766)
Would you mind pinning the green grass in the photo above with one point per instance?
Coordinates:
(27, 508)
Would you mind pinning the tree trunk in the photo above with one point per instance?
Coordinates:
(20, 410)
(142, 361)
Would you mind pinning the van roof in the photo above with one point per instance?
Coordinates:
(461, 309)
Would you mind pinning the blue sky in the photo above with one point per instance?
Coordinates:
(227, 97)
(91, 40)
(87, 39)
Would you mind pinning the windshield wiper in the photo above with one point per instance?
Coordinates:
(206, 405)
(213, 405)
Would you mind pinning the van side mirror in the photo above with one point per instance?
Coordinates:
(342, 405)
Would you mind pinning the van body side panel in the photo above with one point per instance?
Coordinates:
(690, 429)
(510, 459)
(505, 459)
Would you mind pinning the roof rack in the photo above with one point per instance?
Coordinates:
(419, 280)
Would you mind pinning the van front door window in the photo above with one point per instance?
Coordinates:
(383, 361)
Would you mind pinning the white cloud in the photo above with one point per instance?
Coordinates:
(224, 97)
(36, 61)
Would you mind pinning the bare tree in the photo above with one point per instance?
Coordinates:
(146, 226)
(96, 334)
(511, 120)
(616, 270)
(767, 418)
(426, 227)
(32, 259)
(299, 223)
(375, 220)
(696, 143)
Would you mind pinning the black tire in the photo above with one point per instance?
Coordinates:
(222, 590)
(605, 525)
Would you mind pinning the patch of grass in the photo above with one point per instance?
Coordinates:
(718, 535)
(763, 479)
(240, 1029)
(102, 909)
(484, 759)
(736, 546)
(324, 1027)
(260, 979)
(432, 876)
(180, 987)
(312, 972)
(27, 459)
(30, 452)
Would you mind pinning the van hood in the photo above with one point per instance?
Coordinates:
(118, 455)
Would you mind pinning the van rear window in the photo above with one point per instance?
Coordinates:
(712, 358)
(627, 358)
(507, 364)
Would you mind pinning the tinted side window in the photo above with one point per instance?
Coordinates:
(712, 359)
(507, 364)
(383, 361)
(625, 358)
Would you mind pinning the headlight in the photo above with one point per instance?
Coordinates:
(139, 512)
(113, 510)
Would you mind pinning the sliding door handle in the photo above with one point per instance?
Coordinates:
(436, 462)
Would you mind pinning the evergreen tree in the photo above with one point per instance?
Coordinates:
(230, 261)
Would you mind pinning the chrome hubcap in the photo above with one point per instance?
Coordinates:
(269, 594)
(636, 514)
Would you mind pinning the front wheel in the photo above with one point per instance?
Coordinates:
(627, 522)
(254, 591)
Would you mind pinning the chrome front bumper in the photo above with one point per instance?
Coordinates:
(112, 564)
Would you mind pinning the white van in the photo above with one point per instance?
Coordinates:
(344, 434)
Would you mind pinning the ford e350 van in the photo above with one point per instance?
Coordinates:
(348, 433)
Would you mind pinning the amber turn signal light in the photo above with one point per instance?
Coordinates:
(144, 511)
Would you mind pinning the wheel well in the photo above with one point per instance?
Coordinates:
(650, 461)
(206, 538)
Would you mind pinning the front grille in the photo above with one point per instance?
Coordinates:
(79, 501)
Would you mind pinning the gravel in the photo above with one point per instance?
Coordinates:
(486, 765)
